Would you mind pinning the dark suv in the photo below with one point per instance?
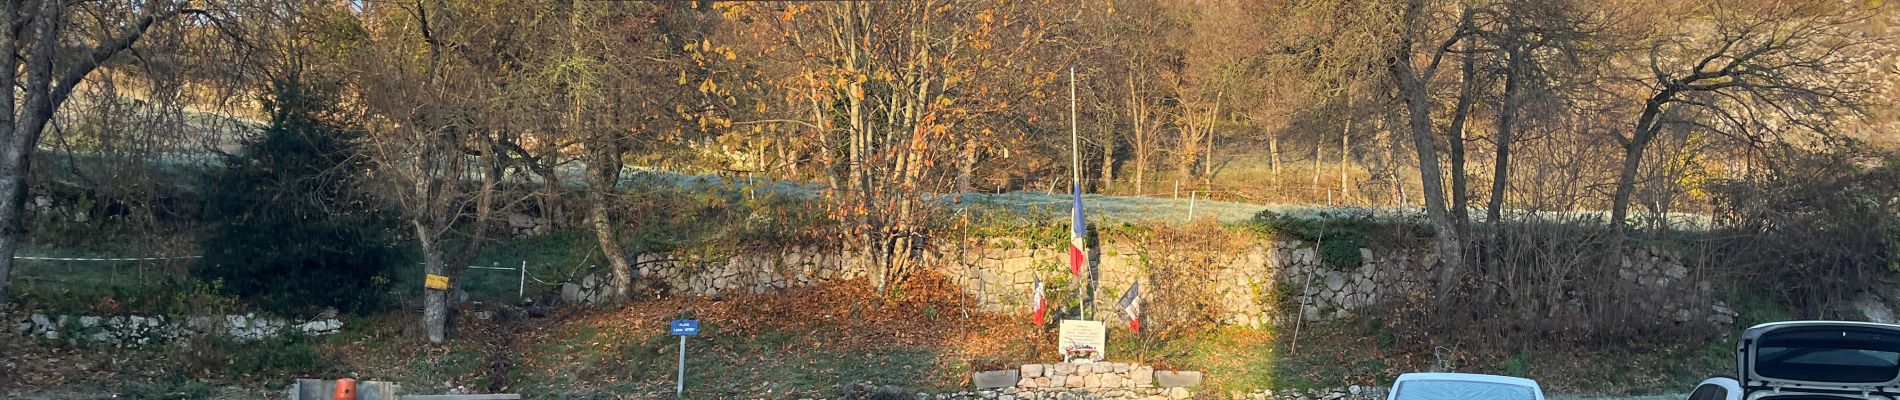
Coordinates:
(1811, 360)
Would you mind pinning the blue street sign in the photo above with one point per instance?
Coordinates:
(686, 327)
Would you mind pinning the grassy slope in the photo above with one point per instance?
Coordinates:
(813, 342)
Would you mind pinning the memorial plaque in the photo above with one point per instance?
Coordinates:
(1082, 335)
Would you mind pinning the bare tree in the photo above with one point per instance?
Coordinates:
(35, 42)
(1411, 82)
(433, 145)
(1775, 69)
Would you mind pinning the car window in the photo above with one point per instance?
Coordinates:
(1709, 392)
(1462, 390)
(1828, 365)
(1828, 354)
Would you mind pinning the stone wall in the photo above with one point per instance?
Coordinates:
(125, 331)
(1245, 282)
(1000, 273)
(1080, 381)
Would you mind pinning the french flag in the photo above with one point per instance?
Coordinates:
(1077, 233)
(1131, 306)
(1037, 301)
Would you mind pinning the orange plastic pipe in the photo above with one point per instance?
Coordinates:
(345, 389)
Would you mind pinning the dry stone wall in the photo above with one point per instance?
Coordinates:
(134, 330)
(1247, 283)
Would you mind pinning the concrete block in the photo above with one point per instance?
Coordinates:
(996, 379)
(1176, 379)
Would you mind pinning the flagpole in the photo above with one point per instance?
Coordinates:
(1075, 163)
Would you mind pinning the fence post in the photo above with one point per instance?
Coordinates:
(521, 286)
(1191, 195)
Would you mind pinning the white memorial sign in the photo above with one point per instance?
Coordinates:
(1081, 340)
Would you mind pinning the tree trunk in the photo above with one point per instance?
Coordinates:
(1418, 106)
(1138, 113)
(1108, 159)
(1646, 127)
(1345, 152)
(1395, 151)
(1273, 147)
(435, 303)
(966, 165)
(1207, 165)
(1460, 193)
(1319, 146)
(1625, 187)
(13, 170)
(1184, 169)
(604, 176)
(22, 133)
(1507, 116)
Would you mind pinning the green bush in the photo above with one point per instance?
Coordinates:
(291, 231)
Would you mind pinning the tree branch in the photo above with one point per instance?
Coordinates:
(104, 51)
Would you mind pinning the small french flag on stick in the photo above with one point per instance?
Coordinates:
(1077, 236)
(1036, 300)
(1131, 306)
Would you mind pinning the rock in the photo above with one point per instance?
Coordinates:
(1092, 380)
(1065, 369)
(1354, 389)
(1027, 383)
(570, 293)
(1044, 381)
(1177, 379)
(1074, 381)
(51, 334)
(1721, 314)
(1335, 280)
(1031, 370)
(1676, 271)
(1110, 380)
(996, 379)
(521, 221)
(1869, 305)
(1143, 376)
(1121, 368)
(1178, 393)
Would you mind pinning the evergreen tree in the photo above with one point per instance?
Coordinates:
(290, 230)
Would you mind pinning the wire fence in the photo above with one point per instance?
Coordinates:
(99, 272)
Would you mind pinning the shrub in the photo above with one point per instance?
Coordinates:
(1818, 230)
(290, 231)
